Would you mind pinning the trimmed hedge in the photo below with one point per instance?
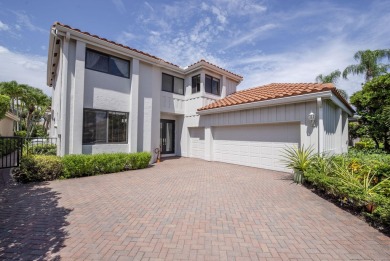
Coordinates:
(43, 167)
(38, 168)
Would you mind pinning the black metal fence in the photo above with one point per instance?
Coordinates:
(12, 149)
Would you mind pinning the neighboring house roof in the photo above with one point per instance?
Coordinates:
(274, 91)
(12, 116)
(58, 25)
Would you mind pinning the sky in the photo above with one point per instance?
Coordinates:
(264, 41)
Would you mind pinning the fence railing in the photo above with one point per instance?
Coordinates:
(12, 149)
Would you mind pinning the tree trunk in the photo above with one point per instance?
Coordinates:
(386, 143)
(376, 142)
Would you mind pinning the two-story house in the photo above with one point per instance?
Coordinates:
(108, 97)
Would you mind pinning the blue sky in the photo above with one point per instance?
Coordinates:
(264, 41)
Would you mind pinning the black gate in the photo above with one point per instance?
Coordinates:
(12, 148)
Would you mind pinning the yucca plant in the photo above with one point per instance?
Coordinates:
(298, 159)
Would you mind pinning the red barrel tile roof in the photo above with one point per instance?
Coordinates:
(273, 91)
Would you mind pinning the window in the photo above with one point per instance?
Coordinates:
(212, 85)
(107, 64)
(196, 84)
(104, 127)
(172, 84)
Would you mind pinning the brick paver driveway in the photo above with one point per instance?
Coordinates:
(181, 209)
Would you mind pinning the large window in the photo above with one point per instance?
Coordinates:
(104, 126)
(212, 85)
(172, 84)
(196, 83)
(106, 63)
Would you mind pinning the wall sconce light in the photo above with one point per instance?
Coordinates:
(312, 119)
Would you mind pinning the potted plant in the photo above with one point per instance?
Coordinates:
(298, 159)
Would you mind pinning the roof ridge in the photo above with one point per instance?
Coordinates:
(139, 51)
(273, 91)
(113, 42)
(205, 61)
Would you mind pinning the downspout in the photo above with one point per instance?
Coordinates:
(64, 92)
(320, 126)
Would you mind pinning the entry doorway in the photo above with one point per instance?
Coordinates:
(167, 136)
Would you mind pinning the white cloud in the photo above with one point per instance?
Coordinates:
(3, 26)
(119, 6)
(252, 35)
(23, 20)
(303, 65)
(23, 68)
(126, 38)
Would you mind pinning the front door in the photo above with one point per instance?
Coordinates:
(167, 136)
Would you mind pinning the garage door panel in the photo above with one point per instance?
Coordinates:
(197, 145)
(255, 145)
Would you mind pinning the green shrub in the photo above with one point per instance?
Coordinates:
(360, 145)
(7, 146)
(42, 149)
(43, 167)
(21, 133)
(357, 178)
(38, 168)
(89, 165)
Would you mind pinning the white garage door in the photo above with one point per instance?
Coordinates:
(197, 143)
(255, 145)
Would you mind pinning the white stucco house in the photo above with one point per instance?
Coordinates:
(108, 97)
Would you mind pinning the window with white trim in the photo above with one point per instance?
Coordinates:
(101, 126)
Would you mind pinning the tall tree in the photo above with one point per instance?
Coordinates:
(369, 64)
(4, 105)
(333, 77)
(372, 104)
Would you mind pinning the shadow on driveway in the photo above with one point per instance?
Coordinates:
(32, 225)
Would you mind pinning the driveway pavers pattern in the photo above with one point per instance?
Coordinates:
(181, 209)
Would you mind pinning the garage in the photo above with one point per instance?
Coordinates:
(197, 143)
(255, 145)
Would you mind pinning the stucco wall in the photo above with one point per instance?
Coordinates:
(6, 126)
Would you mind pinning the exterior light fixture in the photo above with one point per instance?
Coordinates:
(312, 119)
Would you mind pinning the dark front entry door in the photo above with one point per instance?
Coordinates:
(167, 136)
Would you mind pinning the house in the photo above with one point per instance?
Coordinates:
(7, 124)
(108, 97)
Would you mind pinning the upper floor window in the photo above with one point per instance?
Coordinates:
(106, 63)
(196, 83)
(104, 126)
(212, 85)
(172, 84)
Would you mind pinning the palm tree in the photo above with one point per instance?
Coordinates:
(333, 77)
(369, 64)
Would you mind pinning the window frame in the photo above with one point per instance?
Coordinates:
(173, 84)
(211, 87)
(107, 127)
(192, 84)
(108, 66)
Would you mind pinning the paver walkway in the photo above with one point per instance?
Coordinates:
(181, 209)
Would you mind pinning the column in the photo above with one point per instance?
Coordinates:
(134, 96)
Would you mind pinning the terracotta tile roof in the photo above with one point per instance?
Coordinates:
(204, 61)
(273, 91)
(138, 51)
(112, 42)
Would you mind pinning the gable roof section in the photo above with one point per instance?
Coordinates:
(201, 62)
(274, 91)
